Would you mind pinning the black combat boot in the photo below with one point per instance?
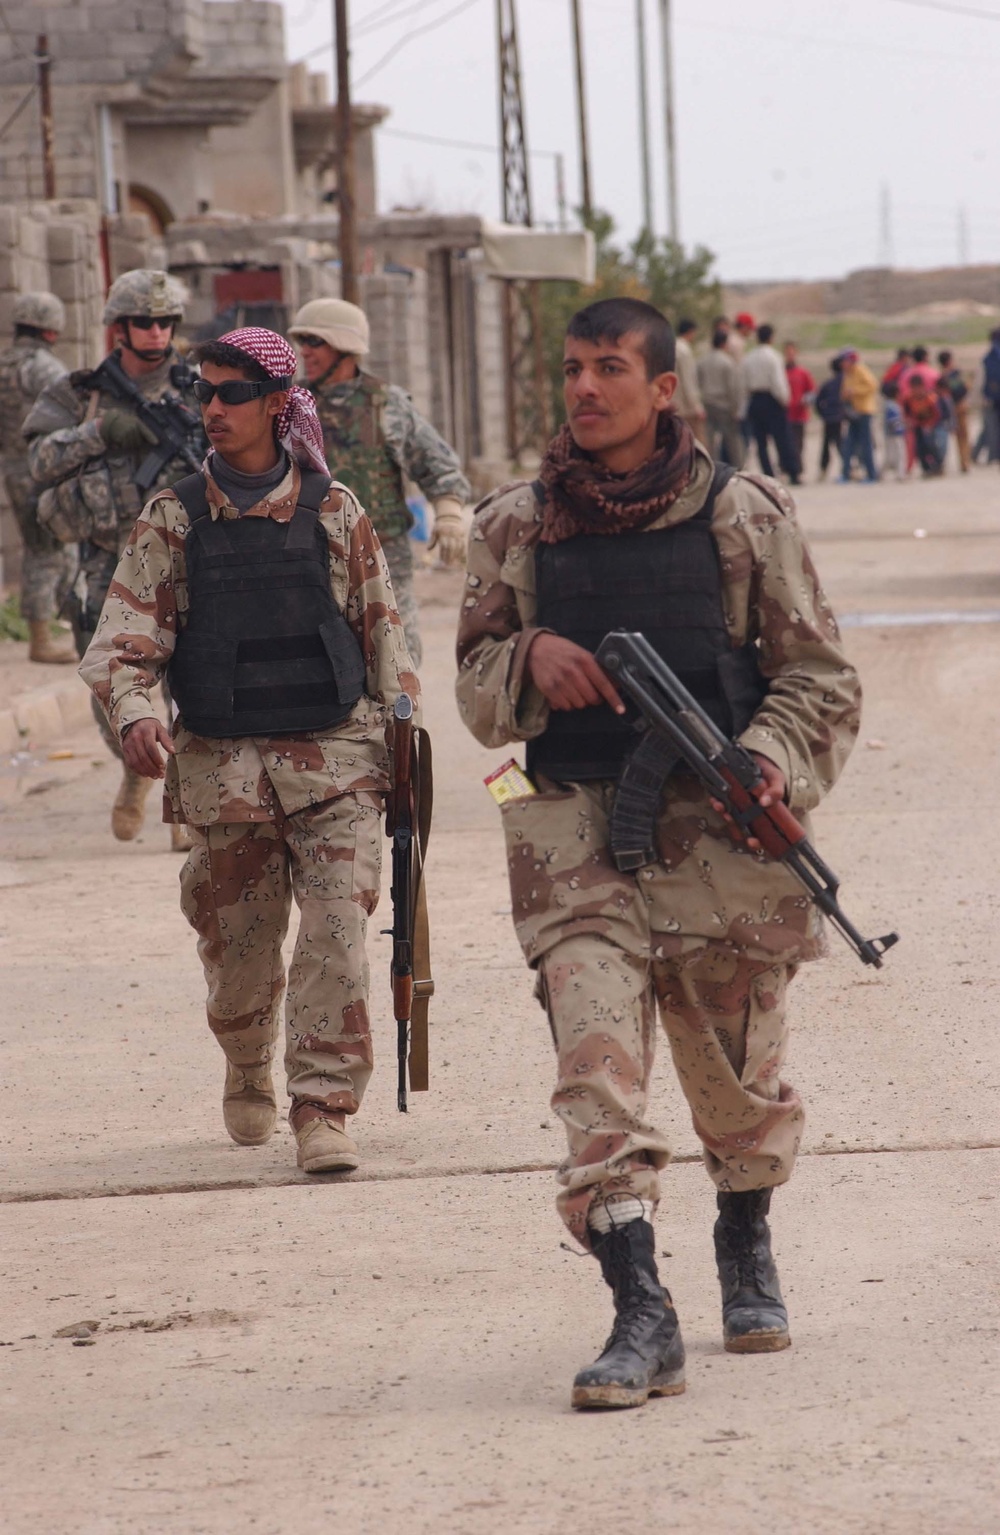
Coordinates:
(754, 1319)
(645, 1354)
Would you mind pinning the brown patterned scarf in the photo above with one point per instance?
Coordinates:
(583, 497)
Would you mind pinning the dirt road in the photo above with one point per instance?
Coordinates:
(393, 1352)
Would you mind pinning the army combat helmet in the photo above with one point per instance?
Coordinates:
(39, 310)
(145, 291)
(343, 326)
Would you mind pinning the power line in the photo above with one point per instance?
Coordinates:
(431, 138)
(379, 19)
(12, 119)
(407, 37)
(11, 34)
(953, 10)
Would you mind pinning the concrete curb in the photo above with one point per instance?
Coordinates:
(46, 714)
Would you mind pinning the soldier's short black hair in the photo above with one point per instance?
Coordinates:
(612, 318)
(225, 356)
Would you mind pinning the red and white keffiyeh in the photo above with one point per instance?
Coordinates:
(298, 426)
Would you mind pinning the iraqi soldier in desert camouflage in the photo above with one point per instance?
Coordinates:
(374, 436)
(85, 445)
(47, 566)
(260, 588)
(629, 526)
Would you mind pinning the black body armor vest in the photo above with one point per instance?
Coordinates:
(666, 585)
(265, 651)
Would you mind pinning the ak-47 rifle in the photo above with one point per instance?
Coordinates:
(176, 427)
(678, 729)
(408, 824)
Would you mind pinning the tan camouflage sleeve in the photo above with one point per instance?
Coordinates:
(361, 587)
(810, 718)
(137, 629)
(496, 700)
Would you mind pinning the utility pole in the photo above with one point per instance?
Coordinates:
(44, 63)
(586, 204)
(526, 384)
(885, 253)
(345, 160)
(561, 190)
(673, 222)
(647, 184)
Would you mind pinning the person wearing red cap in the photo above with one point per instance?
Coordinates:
(740, 336)
(260, 589)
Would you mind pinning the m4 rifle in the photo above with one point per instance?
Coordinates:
(175, 427)
(679, 730)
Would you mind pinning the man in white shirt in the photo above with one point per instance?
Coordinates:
(765, 385)
(688, 399)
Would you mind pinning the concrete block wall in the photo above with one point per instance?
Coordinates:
(396, 306)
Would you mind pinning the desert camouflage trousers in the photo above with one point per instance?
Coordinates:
(723, 1014)
(237, 887)
(47, 566)
(399, 558)
(613, 949)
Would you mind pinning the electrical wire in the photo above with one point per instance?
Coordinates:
(414, 32)
(11, 34)
(376, 20)
(952, 10)
(12, 119)
(431, 138)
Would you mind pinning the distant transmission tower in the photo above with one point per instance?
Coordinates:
(963, 238)
(527, 388)
(886, 256)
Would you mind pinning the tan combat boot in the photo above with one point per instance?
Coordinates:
(325, 1146)
(249, 1108)
(43, 647)
(129, 808)
(181, 840)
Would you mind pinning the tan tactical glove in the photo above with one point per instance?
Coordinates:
(449, 537)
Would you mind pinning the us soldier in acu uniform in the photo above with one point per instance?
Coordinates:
(260, 589)
(85, 444)
(630, 526)
(48, 566)
(373, 436)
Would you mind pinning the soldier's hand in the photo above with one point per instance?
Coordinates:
(125, 433)
(141, 747)
(568, 677)
(449, 537)
(772, 792)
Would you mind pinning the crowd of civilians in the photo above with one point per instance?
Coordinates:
(741, 390)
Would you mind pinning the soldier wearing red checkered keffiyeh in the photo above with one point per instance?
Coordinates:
(298, 426)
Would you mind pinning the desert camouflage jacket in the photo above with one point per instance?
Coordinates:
(807, 724)
(97, 492)
(251, 779)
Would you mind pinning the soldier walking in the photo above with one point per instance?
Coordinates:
(630, 526)
(48, 566)
(85, 444)
(373, 436)
(260, 589)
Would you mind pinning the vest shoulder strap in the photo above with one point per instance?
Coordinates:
(190, 492)
(313, 489)
(720, 479)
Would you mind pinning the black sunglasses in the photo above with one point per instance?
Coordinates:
(237, 391)
(311, 341)
(147, 321)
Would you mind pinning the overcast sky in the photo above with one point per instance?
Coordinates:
(791, 116)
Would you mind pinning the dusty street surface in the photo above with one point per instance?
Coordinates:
(392, 1351)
